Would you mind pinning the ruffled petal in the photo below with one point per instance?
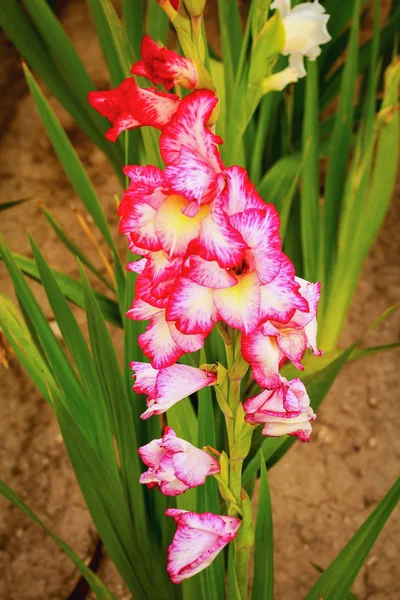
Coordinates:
(260, 230)
(192, 307)
(174, 229)
(157, 343)
(186, 342)
(139, 221)
(151, 454)
(281, 297)
(160, 65)
(218, 239)
(239, 306)
(239, 193)
(263, 355)
(208, 273)
(129, 106)
(145, 378)
(198, 540)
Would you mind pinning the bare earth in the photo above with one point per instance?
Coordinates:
(321, 492)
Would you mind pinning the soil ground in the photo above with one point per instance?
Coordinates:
(321, 491)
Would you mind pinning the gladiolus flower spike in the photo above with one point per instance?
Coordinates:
(211, 253)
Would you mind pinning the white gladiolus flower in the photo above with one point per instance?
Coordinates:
(305, 29)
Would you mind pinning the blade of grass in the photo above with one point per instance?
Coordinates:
(100, 591)
(339, 152)
(71, 288)
(55, 356)
(263, 580)
(336, 580)
(71, 246)
(69, 160)
(82, 359)
(133, 18)
(19, 337)
(309, 206)
(7, 205)
(157, 22)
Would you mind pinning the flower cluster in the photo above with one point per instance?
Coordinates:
(210, 252)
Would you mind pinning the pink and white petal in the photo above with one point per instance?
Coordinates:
(145, 378)
(260, 230)
(152, 453)
(174, 229)
(146, 184)
(141, 310)
(296, 396)
(292, 343)
(137, 266)
(195, 178)
(197, 541)
(281, 298)
(186, 342)
(208, 273)
(150, 479)
(299, 426)
(311, 292)
(193, 466)
(311, 330)
(188, 128)
(239, 193)
(157, 343)
(161, 267)
(267, 402)
(139, 221)
(218, 240)
(192, 307)
(263, 355)
(173, 488)
(239, 306)
(179, 381)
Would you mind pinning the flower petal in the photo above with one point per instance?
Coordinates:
(208, 273)
(263, 355)
(192, 307)
(145, 378)
(157, 343)
(186, 342)
(198, 540)
(281, 298)
(151, 454)
(164, 66)
(174, 229)
(239, 306)
(239, 193)
(129, 106)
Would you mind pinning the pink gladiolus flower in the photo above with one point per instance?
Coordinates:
(166, 386)
(284, 410)
(160, 65)
(129, 106)
(175, 465)
(199, 538)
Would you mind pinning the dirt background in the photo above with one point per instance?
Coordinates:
(321, 492)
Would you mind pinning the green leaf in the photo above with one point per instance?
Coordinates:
(336, 580)
(106, 501)
(339, 151)
(157, 23)
(263, 580)
(106, 40)
(71, 246)
(20, 339)
(98, 588)
(69, 160)
(55, 357)
(309, 206)
(71, 288)
(133, 18)
(83, 361)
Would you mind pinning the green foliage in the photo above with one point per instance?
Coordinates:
(263, 580)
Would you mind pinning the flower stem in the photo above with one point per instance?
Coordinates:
(240, 434)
